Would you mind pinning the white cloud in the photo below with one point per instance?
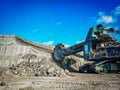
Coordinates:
(48, 43)
(66, 45)
(117, 27)
(117, 10)
(101, 13)
(79, 41)
(105, 19)
(111, 18)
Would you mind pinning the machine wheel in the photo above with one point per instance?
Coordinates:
(58, 53)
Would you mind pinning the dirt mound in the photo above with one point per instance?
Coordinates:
(22, 57)
(42, 68)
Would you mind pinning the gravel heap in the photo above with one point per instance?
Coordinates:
(42, 68)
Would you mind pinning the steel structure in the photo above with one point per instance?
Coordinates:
(98, 46)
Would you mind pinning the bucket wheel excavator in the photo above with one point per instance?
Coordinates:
(99, 47)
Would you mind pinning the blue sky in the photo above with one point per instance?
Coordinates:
(54, 21)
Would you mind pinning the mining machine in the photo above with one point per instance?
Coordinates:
(99, 47)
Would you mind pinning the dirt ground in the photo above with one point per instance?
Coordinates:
(72, 81)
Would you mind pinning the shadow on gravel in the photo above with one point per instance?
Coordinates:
(66, 64)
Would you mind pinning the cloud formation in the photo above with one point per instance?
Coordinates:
(66, 45)
(116, 11)
(77, 42)
(49, 43)
(111, 18)
(105, 19)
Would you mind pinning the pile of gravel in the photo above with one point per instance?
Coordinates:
(42, 68)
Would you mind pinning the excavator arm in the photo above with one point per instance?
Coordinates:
(60, 51)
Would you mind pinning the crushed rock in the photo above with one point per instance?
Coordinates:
(34, 69)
